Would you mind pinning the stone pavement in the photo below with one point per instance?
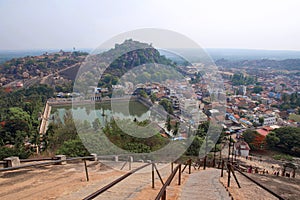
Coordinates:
(129, 188)
(204, 185)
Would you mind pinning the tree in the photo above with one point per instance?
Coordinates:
(59, 132)
(195, 146)
(143, 94)
(153, 97)
(257, 89)
(176, 128)
(285, 98)
(289, 140)
(137, 148)
(261, 120)
(17, 126)
(253, 138)
(272, 140)
(202, 129)
(167, 104)
(73, 148)
(168, 123)
(7, 152)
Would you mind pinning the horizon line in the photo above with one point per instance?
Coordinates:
(91, 49)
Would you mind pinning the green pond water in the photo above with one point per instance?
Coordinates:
(104, 112)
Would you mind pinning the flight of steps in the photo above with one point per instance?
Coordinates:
(126, 189)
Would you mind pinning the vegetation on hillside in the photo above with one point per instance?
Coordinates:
(19, 117)
(120, 60)
(285, 140)
(30, 66)
(254, 139)
(287, 64)
(240, 79)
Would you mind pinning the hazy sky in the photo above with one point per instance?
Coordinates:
(61, 24)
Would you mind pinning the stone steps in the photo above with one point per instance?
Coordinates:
(127, 188)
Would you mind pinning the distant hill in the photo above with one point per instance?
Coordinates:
(251, 54)
(40, 65)
(15, 66)
(66, 64)
(288, 64)
(141, 54)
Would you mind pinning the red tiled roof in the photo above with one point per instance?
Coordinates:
(237, 116)
(262, 132)
(268, 128)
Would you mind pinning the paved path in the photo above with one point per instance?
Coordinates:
(205, 185)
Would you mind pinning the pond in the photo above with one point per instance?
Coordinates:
(103, 111)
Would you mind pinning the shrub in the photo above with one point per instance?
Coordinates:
(73, 148)
(8, 152)
(283, 157)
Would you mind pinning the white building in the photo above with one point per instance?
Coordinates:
(269, 120)
(242, 90)
(187, 105)
(241, 148)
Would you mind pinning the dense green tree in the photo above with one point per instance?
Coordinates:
(176, 128)
(240, 79)
(167, 105)
(254, 139)
(168, 123)
(143, 93)
(285, 139)
(257, 89)
(153, 97)
(202, 129)
(60, 131)
(116, 135)
(73, 148)
(19, 152)
(137, 148)
(261, 120)
(272, 140)
(194, 148)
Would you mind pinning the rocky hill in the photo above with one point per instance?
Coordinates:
(43, 65)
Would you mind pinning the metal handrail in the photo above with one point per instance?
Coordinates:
(44, 163)
(162, 192)
(38, 159)
(103, 189)
(259, 184)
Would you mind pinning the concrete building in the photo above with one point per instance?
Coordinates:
(241, 148)
(242, 90)
(269, 120)
(187, 105)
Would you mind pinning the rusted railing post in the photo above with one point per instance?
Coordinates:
(222, 168)
(152, 175)
(190, 165)
(86, 170)
(172, 167)
(228, 179)
(234, 176)
(232, 153)
(159, 176)
(179, 175)
(164, 197)
(204, 164)
(130, 160)
(229, 149)
(162, 192)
